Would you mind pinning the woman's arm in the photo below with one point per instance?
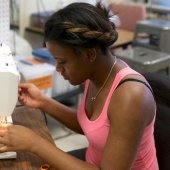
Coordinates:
(31, 96)
(62, 113)
(20, 138)
(59, 159)
(131, 109)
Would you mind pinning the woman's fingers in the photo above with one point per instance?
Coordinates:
(3, 130)
(3, 148)
(22, 98)
(25, 85)
(3, 141)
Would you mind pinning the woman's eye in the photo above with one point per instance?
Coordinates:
(61, 62)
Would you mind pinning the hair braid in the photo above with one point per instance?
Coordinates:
(82, 25)
(81, 31)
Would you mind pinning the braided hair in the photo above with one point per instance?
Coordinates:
(81, 25)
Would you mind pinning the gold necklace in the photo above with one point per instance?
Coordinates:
(93, 98)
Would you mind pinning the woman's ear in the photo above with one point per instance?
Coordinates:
(91, 54)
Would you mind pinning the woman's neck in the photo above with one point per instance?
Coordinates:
(101, 70)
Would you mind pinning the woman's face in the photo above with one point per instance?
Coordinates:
(72, 67)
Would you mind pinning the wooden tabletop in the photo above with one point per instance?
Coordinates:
(33, 119)
(125, 37)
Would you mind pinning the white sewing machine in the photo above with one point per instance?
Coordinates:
(9, 79)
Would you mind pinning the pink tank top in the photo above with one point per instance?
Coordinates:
(97, 131)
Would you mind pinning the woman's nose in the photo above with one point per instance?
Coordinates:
(59, 68)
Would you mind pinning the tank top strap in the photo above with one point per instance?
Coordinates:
(119, 76)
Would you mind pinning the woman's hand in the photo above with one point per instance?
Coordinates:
(30, 95)
(17, 138)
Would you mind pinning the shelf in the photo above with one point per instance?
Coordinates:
(35, 30)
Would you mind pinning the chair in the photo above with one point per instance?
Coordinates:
(161, 88)
(129, 14)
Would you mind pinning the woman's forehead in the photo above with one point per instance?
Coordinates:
(58, 48)
(60, 51)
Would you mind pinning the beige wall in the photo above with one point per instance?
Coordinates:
(27, 7)
(118, 1)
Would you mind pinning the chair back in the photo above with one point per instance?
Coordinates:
(129, 14)
(161, 88)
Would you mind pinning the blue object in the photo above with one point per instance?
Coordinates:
(44, 14)
(25, 62)
(43, 54)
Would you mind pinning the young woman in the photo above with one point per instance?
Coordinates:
(117, 111)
